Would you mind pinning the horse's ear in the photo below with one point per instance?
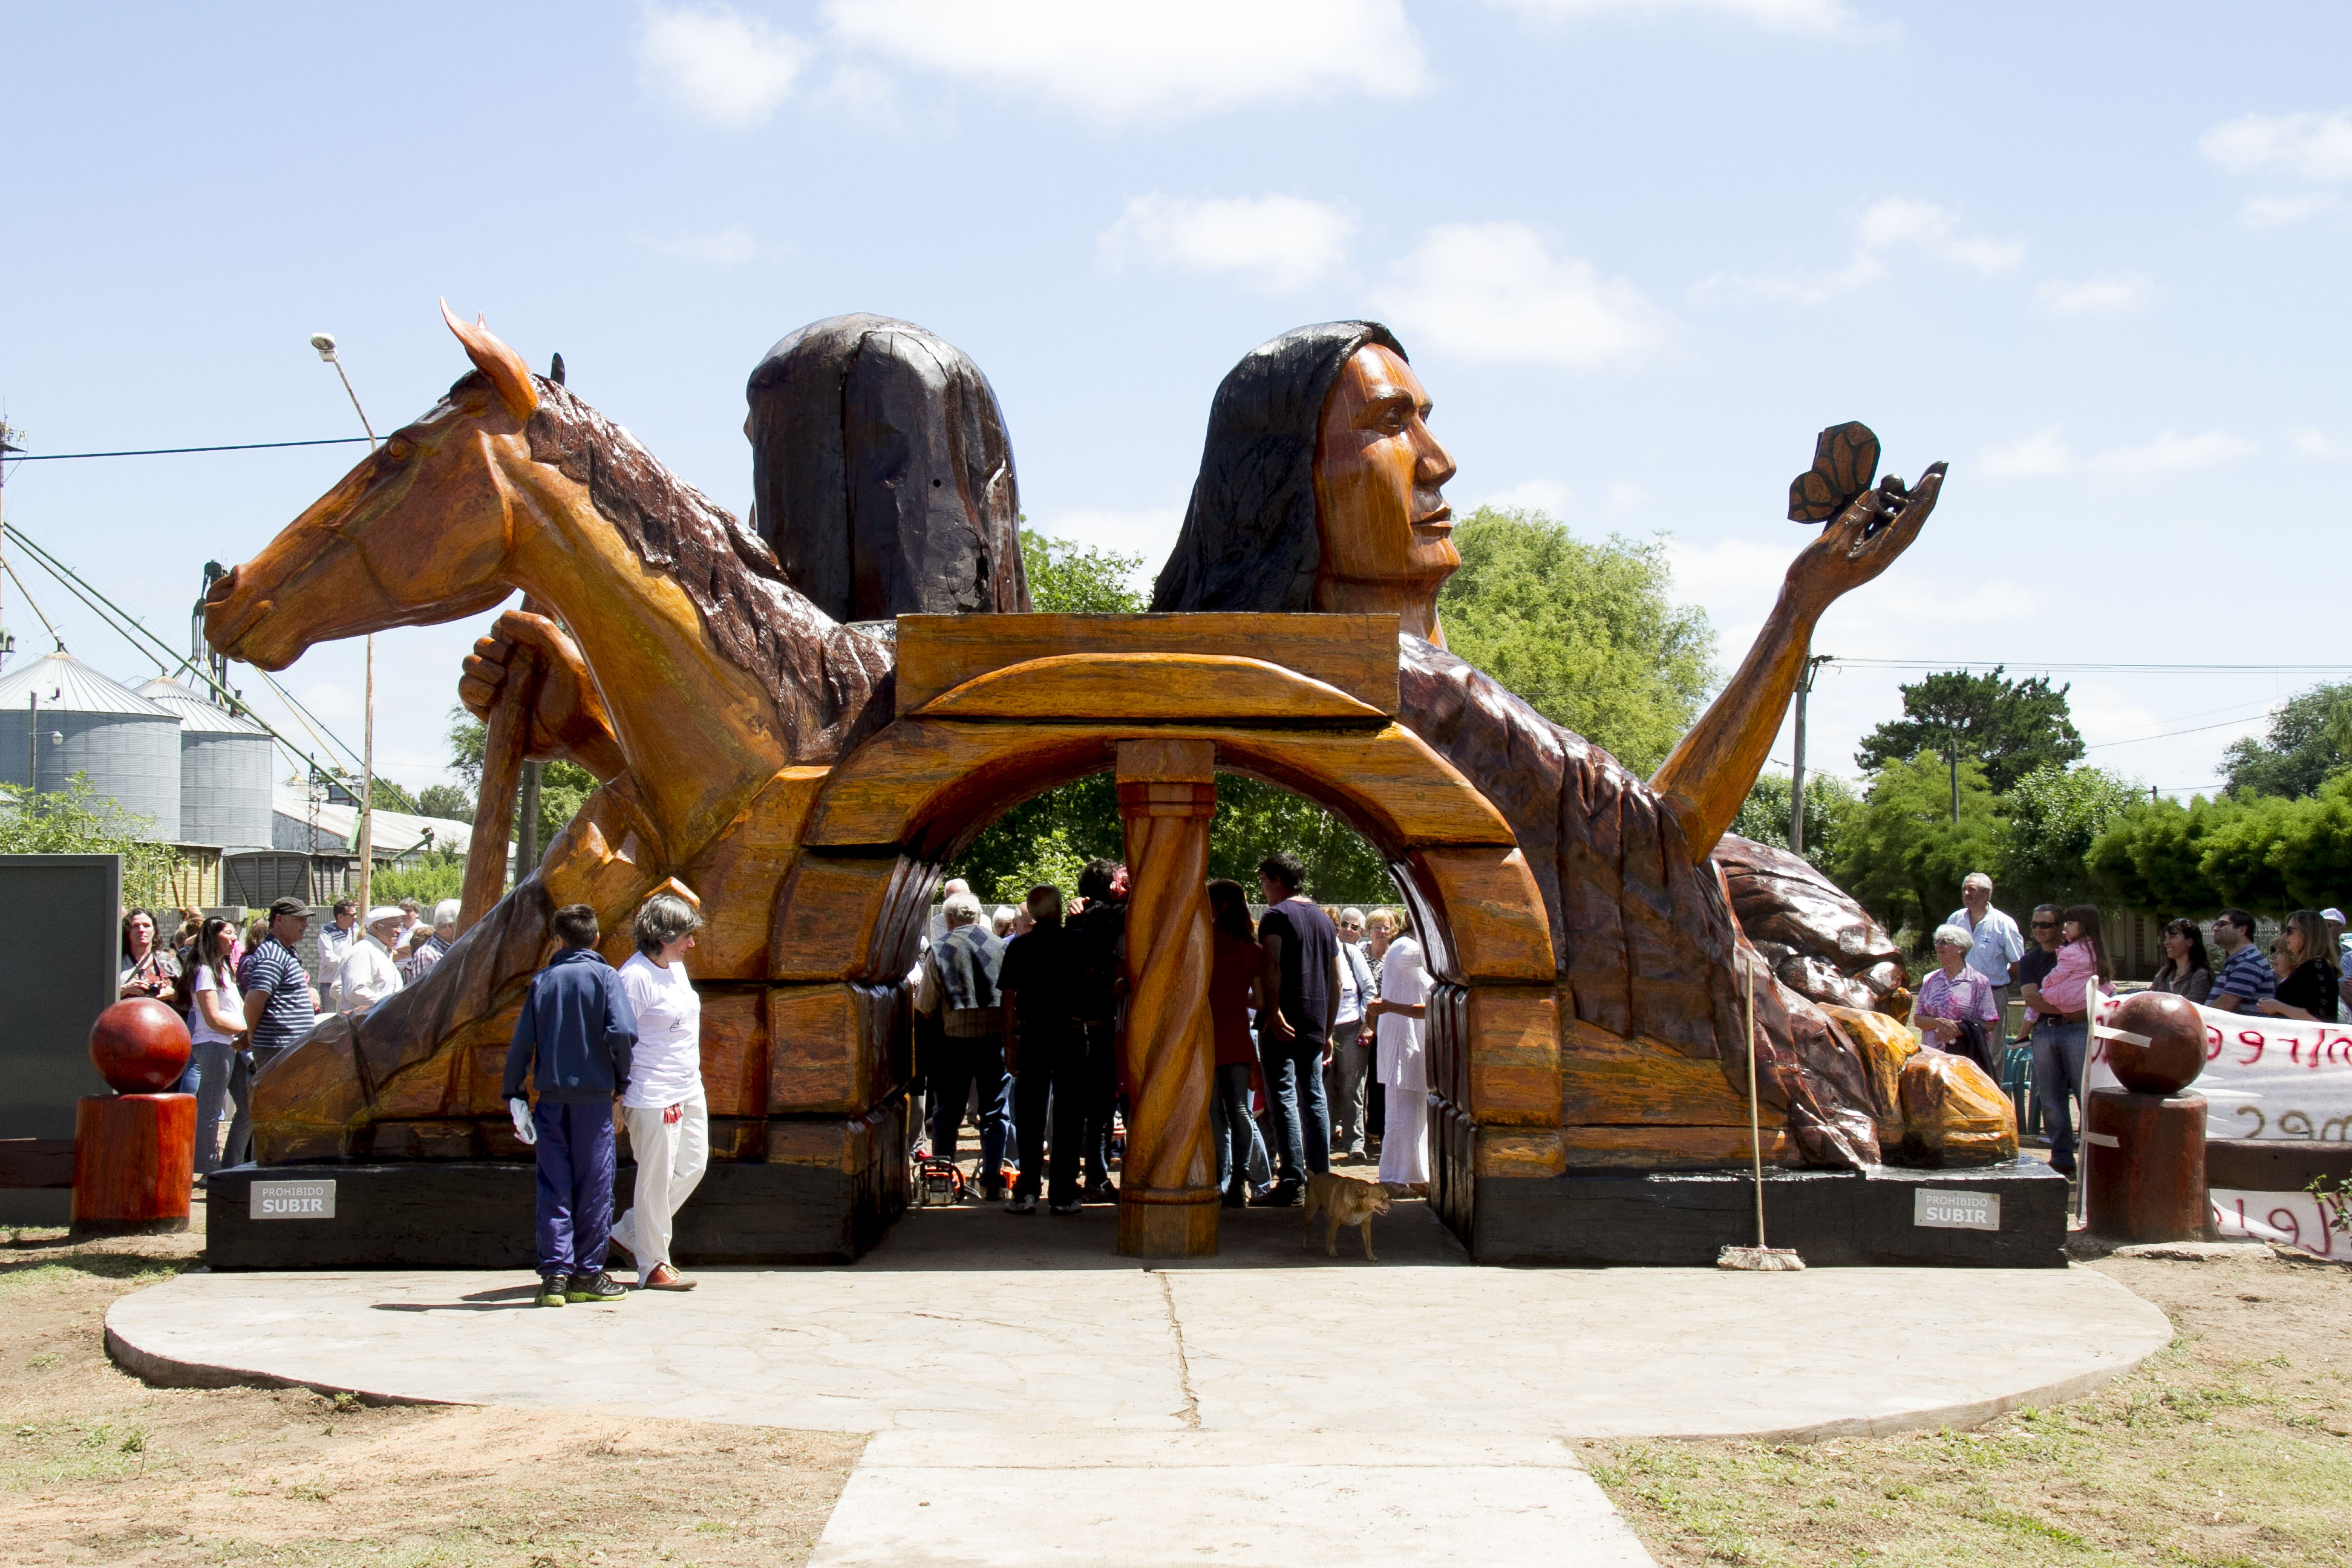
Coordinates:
(501, 364)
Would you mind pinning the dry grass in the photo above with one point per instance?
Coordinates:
(2229, 1448)
(96, 1466)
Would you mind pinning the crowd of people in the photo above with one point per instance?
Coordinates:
(245, 995)
(1317, 1014)
(1980, 955)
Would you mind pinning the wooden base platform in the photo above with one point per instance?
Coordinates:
(1832, 1219)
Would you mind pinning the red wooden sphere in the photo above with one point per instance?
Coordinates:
(141, 1047)
(2174, 1052)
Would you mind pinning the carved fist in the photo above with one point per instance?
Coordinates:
(568, 722)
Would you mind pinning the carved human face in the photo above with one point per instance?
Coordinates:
(1386, 532)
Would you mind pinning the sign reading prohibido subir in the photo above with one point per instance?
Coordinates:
(291, 1200)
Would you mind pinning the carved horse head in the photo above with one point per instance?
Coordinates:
(358, 560)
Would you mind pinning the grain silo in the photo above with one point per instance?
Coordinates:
(81, 723)
(225, 769)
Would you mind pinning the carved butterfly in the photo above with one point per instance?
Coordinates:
(1846, 460)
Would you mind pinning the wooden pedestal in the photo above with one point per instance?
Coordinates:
(2144, 1165)
(1168, 1181)
(134, 1158)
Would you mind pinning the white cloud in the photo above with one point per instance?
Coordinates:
(1534, 495)
(2043, 453)
(1280, 243)
(2037, 455)
(2302, 146)
(1494, 292)
(729, 70)
(2277, 212)
(1817, 16)
(2318, 443)
(1128, 63)
(730, 247)
(2108, 294)
(2173, 453)
(1624, 497)
(1888, 225)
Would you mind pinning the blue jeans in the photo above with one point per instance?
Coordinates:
(2058, 1052)
(576, 1156)
(1302, 1120)
(208, 1079)
(1241, 1150)
(966, 1059)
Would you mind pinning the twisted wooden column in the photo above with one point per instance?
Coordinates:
(1167, 1191)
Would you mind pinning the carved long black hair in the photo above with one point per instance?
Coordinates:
(1249, 540)
(881, 473)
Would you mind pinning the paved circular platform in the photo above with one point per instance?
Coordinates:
(974, 1320)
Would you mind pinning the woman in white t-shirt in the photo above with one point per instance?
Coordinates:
(668, 1120)
(1400, 1018)
(215, 1020)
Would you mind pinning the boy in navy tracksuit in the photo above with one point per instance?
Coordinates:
(574, 1039)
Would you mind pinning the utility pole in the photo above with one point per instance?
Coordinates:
(325, 343)
(1805, 677)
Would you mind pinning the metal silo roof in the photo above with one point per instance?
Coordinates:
(64, 684)
(196, 715)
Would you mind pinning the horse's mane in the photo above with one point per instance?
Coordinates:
(830, 682)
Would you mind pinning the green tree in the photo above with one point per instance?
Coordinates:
(1903, 857)
(1587, 633)
(78, 820)
(2050, 819)
(2151, 856)
(1068, 578)
(563, 787)
(1254, 819)
(445, 800)
(1830, 805)
(2310, 737)
(430, 878)
(2011, 727)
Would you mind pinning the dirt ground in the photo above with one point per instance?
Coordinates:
(2229, 1448)
(96, 1466)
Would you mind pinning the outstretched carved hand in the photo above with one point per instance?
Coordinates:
(569, 722)
(1875, 527)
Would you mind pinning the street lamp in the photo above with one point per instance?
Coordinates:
(325, 343)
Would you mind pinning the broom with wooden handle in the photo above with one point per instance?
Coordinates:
(1759, 1257)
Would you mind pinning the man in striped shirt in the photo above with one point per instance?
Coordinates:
(2246, 976)
(280, 1009)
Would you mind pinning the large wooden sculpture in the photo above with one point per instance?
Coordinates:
(805, 780)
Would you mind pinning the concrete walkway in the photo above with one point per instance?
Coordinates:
(1282, 1383)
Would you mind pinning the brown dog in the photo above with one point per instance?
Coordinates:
(1348, 1201)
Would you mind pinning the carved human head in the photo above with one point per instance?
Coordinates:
(881, 473)
(1319, 485)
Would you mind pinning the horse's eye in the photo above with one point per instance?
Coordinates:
(399, 448)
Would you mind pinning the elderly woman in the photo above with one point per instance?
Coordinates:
(669, 1119)
(1954, 994)
(428, 943)
(370, 974)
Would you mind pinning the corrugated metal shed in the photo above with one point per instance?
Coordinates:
(126, 746)
(226, 761)
(398, 833)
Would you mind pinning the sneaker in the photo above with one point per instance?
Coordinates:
(665, 1278)
(993, 1193)
(1069, 1205)
(1235, 1198)
(1021, 1204)
(1101, 1193)
(599, 1287)
(1281, 1196)
(551, 1292)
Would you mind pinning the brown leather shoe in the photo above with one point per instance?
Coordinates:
(665, 1278)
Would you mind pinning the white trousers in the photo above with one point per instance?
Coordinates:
(671, 1157)
(1404, 1139)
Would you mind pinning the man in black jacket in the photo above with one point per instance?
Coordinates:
(573, 1040)
(1099, 941)
(1046, 1051)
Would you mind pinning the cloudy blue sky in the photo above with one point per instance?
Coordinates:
(1640, 251)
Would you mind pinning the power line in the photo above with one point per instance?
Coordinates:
(2097, 669)
(2169, 735)
(175, 451)
(34, 602)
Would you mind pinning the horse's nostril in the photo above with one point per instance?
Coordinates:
(223, 586)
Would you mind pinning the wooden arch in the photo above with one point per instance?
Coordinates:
(995, 710)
